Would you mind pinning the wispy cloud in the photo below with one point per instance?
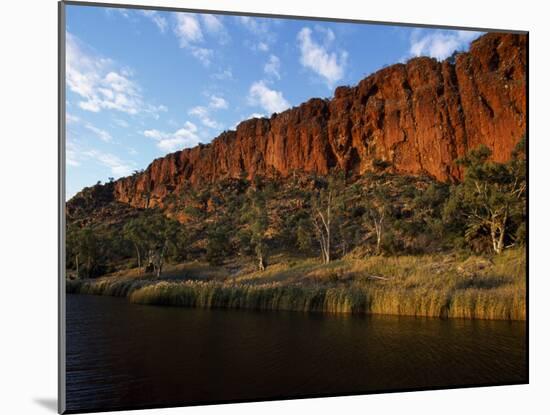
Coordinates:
(440, 44)
(102, 134)
(74, 121)
(256, 115)
(100, 85)
(184, 137)
(120, 11)
(255, 25)
(214, 25)
(71, 119)
(75, 155)
(191, 34)
(71, 154)
(262, 46)
(203, 114)
(204, 55)
(269, 99)
(117, 166)
(188, 29)
(260, 28)
(218, 102)
(317, 57)
(223, 75)
(273, 66)
(156, 18)
(253, 115)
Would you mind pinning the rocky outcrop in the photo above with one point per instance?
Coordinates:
(417, 117)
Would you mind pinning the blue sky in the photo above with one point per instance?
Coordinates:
(141, 84)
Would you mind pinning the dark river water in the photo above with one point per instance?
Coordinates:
(122, 355)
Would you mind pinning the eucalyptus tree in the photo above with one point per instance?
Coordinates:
(255, 214)
(492, 198)
(326, 207)
(377, 206)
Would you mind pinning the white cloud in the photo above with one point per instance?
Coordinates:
(156, 18)
(253, 115)
(204, 55)
(440, 44)
(188, 29)
(153, 15)
(316, 57)
(71, 119)
(217, 102)
(69, 159)
(223, 75)
(256, 115)
(260, 28)
(184, 137)
(212, 23)
(203, 112)
(256, 25)
(329, 34)
(262, 46)
(123, 12)
(203, 115)
(269, 99)
(273, 66)
(102, 134)
(155, 134)
(75, 155)
(71, 154)
(100, 85)
(117, 166)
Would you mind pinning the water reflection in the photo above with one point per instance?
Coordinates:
(125, 355)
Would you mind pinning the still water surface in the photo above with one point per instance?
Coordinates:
(122, 355)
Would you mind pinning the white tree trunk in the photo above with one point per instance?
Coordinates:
(498, 232)
(160, 261)
(378, 236)
(138, 256)
(378, 227)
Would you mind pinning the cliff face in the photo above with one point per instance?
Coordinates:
(419, 117)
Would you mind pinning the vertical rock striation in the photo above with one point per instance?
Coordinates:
(418, 117)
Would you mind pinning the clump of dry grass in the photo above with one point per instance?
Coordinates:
(442, 285)
(107, 286)
(270, 296)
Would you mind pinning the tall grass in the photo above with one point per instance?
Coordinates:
(271, 296)
(105, 286)
(433, 286)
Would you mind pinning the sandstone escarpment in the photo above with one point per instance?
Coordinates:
(418, 117)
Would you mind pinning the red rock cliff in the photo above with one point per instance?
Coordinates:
(419, 116)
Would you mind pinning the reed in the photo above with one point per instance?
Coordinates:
(445, 286)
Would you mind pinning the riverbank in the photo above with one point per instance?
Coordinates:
(443, 285)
